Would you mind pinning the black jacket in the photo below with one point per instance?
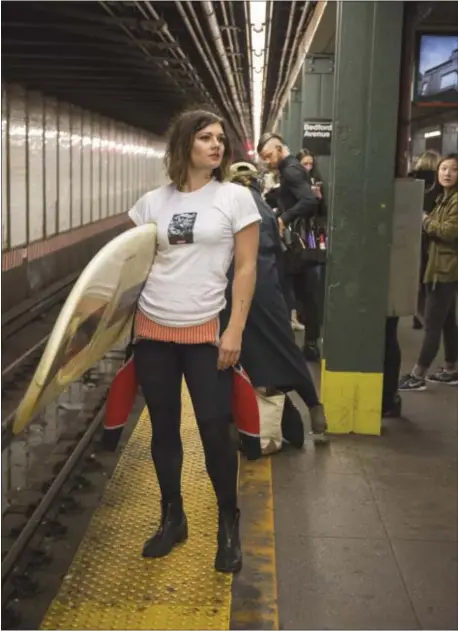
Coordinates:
(270, 354)
(295, 196)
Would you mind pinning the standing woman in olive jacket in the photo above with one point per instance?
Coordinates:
(425, 169)
(441, 284)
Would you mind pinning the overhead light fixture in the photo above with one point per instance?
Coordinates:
(258, 14)
(432, 134)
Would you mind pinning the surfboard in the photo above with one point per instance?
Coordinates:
(96, 316)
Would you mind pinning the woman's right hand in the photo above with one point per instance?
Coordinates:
(316, 189)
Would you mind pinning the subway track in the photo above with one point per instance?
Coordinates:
(25, 331)
(53, 471)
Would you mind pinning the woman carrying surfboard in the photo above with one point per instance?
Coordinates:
(202, 221)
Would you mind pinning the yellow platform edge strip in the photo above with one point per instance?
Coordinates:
(110, 586)
(352, 400)
(254, 590)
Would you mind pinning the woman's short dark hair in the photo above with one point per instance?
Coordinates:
(181, 139)
(304, 153)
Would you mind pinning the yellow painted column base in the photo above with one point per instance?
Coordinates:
(352, 400)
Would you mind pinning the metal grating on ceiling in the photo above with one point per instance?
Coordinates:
(287, 23)
(140, 62)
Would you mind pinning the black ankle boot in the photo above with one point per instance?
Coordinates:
(229, 554)
(311, 352)
(173, 530)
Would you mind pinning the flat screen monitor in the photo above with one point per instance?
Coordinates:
(436, 80)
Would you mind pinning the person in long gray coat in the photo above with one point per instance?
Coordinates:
(270, 354)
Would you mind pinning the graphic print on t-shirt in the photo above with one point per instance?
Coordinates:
(181, 228)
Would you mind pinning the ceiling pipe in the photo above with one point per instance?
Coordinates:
(294, 49)
(269, 13)
(210, 57)
(214, 28)
(250, 69)
(167, 35)
(236, 55)
(292, 12)
(304, 47)
(220, 87)
(146, 52)
(305, 13)
(166, 38)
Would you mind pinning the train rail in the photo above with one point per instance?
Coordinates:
(25, 331)
(49, 467)
(37, 516)
(33, 308)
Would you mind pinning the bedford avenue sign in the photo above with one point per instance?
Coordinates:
(317, 136)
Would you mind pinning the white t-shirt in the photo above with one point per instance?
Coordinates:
(195, 233)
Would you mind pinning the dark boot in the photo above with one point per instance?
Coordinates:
(173, 530)
(311, 352)
(394, 409)
(229, 554)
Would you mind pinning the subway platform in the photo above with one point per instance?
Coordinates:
(360, 534)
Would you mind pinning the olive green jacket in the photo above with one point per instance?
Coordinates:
(441, 226)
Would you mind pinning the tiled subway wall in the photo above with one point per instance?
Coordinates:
(68, 178)
(64, 168)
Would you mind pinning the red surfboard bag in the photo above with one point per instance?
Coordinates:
(120, 401)
(245, 410)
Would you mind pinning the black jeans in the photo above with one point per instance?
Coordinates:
(391, 363)
(307, 293)
(440, 318)
(160, 367)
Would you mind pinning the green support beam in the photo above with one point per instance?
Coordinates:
(317, 98)
(285, 123)
(295, 120)
(366, 94)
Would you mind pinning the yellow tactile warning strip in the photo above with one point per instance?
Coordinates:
(254, 590)
(109, 584)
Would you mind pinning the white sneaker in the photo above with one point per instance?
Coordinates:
(296, 325)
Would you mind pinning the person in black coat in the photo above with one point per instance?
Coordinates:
(270, 354)
(298, 205)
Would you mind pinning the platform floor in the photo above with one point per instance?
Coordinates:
(361, 534)
(366, 531)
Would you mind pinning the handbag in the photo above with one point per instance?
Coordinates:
(270, 418)
(264, 419)
(306, 243)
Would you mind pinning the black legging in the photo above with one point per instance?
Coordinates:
(440, 319)
(391, 363)
(307, 293)
(160, 367)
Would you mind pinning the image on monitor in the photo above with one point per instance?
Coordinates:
(437, 75)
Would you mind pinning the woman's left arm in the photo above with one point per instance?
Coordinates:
(445, 229)
(246, 254)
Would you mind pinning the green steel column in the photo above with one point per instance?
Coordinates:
(295, 120)
(285, 123)
(317, 99)
(366, 94)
